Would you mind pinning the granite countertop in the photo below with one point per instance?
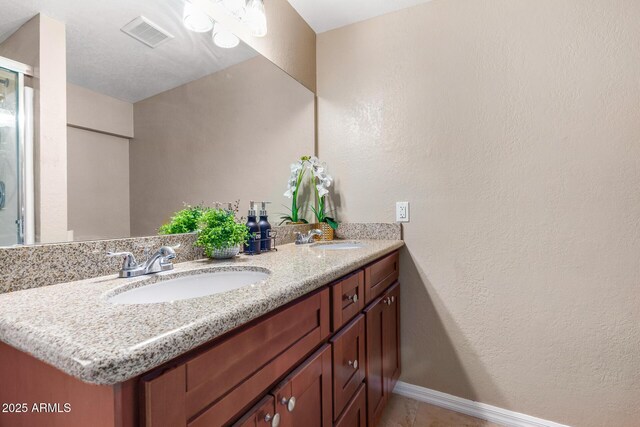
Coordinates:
(73, 327)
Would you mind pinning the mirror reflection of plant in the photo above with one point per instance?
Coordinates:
(298, 170)
(321, 181)
(186, 220)
(220, 230)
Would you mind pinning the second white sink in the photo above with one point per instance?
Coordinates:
(187, 287)
(338, 246)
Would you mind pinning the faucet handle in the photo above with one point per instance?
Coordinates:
(168, 252)
(129, 261)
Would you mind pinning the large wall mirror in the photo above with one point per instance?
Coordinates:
(115, 136)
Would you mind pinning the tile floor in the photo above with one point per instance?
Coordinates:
(405, 412)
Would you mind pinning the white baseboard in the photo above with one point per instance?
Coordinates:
(469, 407)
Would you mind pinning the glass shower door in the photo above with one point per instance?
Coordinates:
(10, 203)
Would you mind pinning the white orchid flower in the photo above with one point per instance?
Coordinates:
(289, 193)
(321, 190)
(296, 167)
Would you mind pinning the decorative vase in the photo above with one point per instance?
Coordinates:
(327, 231)
(225, 253)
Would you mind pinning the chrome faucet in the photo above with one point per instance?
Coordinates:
(159, 261)
(303, 239)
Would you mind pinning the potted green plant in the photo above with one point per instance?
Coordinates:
(298, 170)
(220, 235)
(321, 181)
(186, 220)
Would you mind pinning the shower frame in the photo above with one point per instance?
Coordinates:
(26, 208)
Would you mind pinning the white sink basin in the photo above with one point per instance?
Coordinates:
(187, 287)
(338, 246)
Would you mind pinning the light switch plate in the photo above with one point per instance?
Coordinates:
(402, 211)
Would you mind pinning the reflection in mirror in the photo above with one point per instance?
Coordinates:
(126, 134)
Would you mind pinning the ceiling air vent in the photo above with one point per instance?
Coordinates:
(147, 32)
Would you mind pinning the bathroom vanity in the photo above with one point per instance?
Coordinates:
(315, 344)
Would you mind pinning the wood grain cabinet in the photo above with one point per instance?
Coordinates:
(382, 350)
(355, 414)
(304, 397)
(301, 399)
(379, 275)
(347, 297)
(213, 386)
(348, 348)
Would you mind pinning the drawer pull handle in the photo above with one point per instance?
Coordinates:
(387, 301)
(289, 403)
(353, 298)
(353, 363)
(275, 420)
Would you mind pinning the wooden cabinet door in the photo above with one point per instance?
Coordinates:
(303, 399)
(262, 415)
(376, 390)
(348, 353)
(355, 414)
(383, 351)
(391, 337)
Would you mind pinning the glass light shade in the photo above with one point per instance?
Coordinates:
(195, 19)
(224, 38)
(256, 18)
(234, 6)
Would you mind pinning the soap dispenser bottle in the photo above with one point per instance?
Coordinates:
(253, 245)
(265, 229)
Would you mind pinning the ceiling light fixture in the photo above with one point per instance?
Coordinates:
(234, 6)
(195, 19)
(224, 38)
(256, 18)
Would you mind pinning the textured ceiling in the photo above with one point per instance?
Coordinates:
(325, 15)
(102, 58)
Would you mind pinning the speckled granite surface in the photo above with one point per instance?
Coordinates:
(73, 327)
(26, 267)
(382, 231)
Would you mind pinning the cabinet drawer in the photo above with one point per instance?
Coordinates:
(355, 414)
(222, 381)
(347, 299)
(348, 356)
(380, 275)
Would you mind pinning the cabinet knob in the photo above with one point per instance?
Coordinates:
(353, 363)
(393, 299)
(290, 403)
(387, 301)
(353, 298)
(274, 420)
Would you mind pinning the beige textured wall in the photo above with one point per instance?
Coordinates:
(513, 128)
(227, 136)
(87, 109)
(98, 164)
(290, 42)
(41, 43)
(98, 185)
